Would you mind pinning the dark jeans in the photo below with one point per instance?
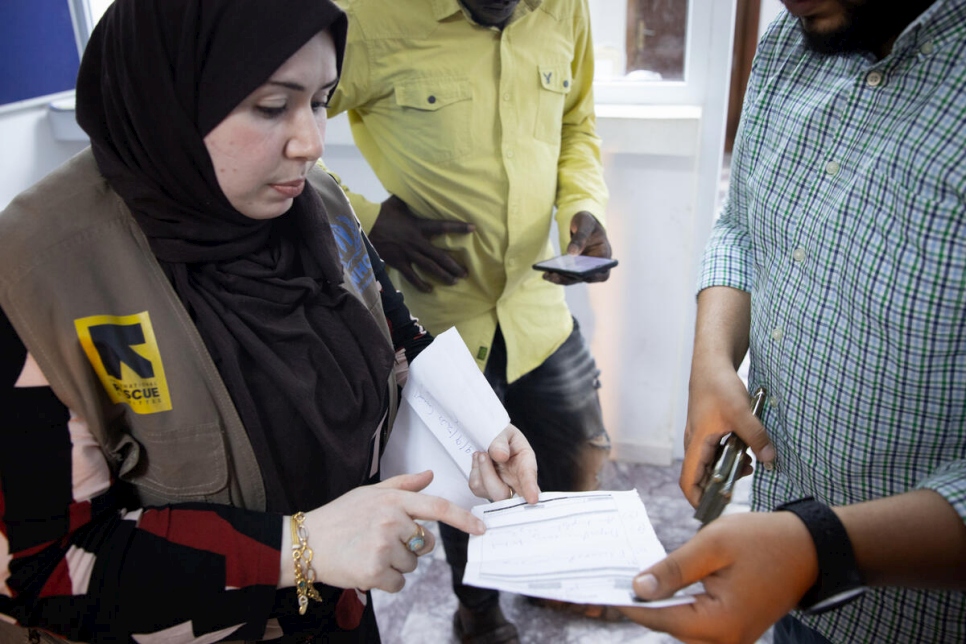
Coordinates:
(557, 409)
(789, 630)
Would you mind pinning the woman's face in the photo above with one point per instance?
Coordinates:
(264, 148)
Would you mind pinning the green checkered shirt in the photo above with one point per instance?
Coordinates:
(846, 220)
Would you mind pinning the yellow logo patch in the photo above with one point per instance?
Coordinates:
(124, 353)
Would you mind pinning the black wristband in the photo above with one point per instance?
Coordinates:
(839, 580)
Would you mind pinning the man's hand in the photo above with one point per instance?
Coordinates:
(587, 237)
(755, 567)
(508, 466)
(718, 404)
(404, 241)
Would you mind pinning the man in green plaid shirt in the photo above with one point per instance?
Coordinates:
(840, 261)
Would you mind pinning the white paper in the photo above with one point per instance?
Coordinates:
(447, 412)
(581, 547)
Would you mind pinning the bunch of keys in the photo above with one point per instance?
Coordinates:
(727, 469)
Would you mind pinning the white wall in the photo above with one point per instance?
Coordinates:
(769, 11)
(642, 332)
(29, 150)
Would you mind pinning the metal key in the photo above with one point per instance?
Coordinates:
(726, 470)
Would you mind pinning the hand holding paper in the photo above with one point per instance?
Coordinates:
(449, 413)
(511, 468)
(584, 547)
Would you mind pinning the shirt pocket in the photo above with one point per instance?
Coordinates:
(555, 83)
(175, 464)
(436, 117)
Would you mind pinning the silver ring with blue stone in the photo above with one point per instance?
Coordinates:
(417, 541)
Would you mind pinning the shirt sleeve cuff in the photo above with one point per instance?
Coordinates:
(727, 260)
(949, 481)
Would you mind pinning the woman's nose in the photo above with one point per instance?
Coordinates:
(306, 141)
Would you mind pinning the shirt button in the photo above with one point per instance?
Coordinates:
(927, 48)
(874, 79)
(506, 96)
(798, 254)
(777, 334)
(772, 402)
(509, 154)
(566, 83)
(832, 168)
(431, 99)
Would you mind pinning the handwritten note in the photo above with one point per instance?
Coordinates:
(450, 433)
(582, 547)
(448, 411)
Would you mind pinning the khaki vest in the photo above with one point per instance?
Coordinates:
(73, 251)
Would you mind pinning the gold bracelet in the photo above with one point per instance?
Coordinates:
(302, 558)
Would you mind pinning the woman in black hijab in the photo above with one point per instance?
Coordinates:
(285, 336)
(224, 359)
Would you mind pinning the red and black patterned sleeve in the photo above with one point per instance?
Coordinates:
(78, 558)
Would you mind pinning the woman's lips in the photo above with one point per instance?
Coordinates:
(290, 189)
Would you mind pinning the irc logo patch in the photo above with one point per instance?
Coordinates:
(352, 251)
(124, 353)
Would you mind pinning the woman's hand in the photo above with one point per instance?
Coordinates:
(509, 467)
(360, 539)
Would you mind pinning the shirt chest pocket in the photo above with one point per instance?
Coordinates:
(436, 117)
(555, 83)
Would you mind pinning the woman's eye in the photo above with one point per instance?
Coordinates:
(319, 105)
(270, 111)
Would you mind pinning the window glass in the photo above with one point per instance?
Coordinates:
(640, 40)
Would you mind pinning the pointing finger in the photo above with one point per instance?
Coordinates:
(434, 508)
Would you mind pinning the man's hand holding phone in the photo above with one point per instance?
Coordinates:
(588, 256)
(579, 267)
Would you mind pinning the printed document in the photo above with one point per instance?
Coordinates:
(581, 547)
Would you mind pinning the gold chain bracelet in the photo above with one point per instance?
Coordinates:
(302, 558)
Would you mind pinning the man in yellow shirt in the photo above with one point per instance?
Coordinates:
(478, 118)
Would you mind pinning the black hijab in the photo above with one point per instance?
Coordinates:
(305, 363)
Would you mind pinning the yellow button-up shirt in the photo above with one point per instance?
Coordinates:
(488, 126)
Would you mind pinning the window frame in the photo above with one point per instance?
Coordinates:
(705, 19)
(80, 11)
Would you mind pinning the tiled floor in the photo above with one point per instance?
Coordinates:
(423, 611)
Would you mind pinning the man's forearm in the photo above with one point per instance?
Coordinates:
(914, 539)
(723, 325)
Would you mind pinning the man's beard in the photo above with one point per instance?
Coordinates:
(868, 26)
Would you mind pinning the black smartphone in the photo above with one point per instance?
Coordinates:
(579, 266)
